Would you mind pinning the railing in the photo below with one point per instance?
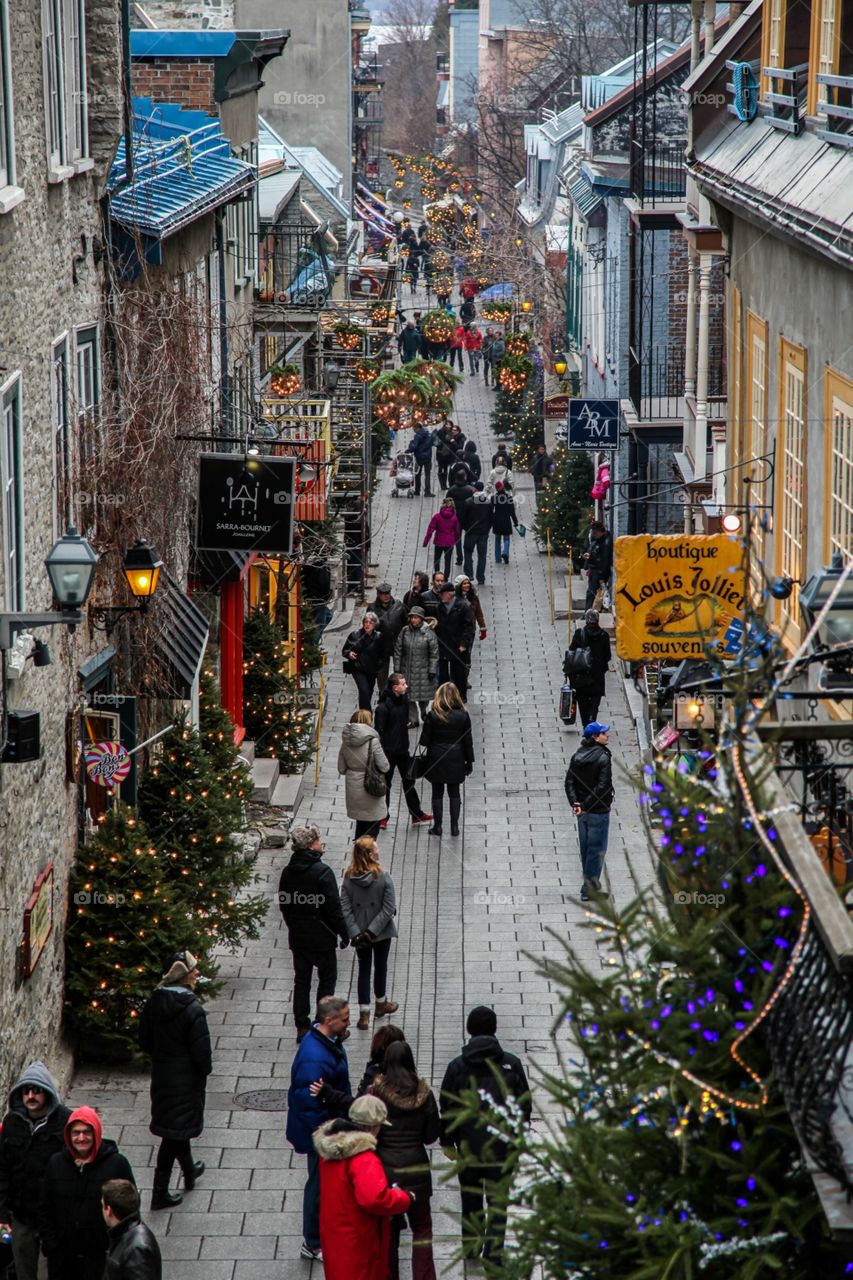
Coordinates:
(442, 64)
(296, 269)
(838, 110)
(658, 174)
(656, 381)
(368, 70)
(787, 96)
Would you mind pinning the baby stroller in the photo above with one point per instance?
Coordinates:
(403, 471)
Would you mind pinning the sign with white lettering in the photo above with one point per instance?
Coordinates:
(594, 424)
(677, 595)
(245, 503)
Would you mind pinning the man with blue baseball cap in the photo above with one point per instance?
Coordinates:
(589, 788)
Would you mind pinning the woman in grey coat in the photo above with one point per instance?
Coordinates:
(416, 657)
(369, 904)
(358, 740)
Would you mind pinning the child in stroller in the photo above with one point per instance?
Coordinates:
(403, 473)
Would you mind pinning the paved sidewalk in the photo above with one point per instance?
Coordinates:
(473, 913)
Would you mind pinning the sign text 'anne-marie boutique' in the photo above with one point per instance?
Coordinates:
(676, 594)
(245, 503)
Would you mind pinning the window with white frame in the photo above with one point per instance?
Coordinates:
(12, 481)
(755, 470)
(87, 396)
(242, 226)
(61, 441)
(64, 60)
(792, 479)
(7, 134)
(840, 406)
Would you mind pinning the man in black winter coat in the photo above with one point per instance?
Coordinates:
(454, 632)
(589, 685)
(430, 600)
(598, 560)
(173, 1030)
(392, 617)
(33, 1131)
(134, 1253)
(496, 1076)
(71, 1224)
(589, 790)
(421, 447)
(391, 722)
(311, 906)
(477, 523)
(460, 491)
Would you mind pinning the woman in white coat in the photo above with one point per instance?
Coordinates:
(359, 739)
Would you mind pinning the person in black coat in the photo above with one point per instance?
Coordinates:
(471, 459)
(496, 1075)
(504, 520)
(384, 1035)
(460, 491)
(173, 1030)
(134, 1253)
(310, 903)
(454, 632)
(598, 560)
(447, 739)
(71, 1224)
(589, 790)
(33, 1130)
(393, 616)
(590, 688)
(391, 722)
(364, 654)
(431, 600)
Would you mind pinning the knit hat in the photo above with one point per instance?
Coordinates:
(446, 586)
(482, 1021)
(416, 612)
(181, 966)
(368, 1112)
(304, 837)
(460, 578)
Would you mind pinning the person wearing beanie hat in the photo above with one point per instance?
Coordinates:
(310, 905)
(496, 1076)
(589, 790)
(416, 658)
(588, 679)
(356, 1202)
(173, 1030)
(32, 1131)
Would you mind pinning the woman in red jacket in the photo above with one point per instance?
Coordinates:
(457, 348)
(356, 1202)
(473, 345)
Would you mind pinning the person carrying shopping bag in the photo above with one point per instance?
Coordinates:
(361, 752)
(503, 520)
(369, 904)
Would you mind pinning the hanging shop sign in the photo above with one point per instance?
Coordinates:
(245, 503)
(594, 424)
(677, 595)
(555, 406)
(107, 763)
(38, 920)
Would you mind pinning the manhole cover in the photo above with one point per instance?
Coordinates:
(262, 1100)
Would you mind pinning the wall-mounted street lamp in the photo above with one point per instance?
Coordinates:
(526, 306)
(70, 567)
(331, 375)
(560, 366)
(141, 567)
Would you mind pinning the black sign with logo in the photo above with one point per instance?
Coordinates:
(593, 424)
(245, 503)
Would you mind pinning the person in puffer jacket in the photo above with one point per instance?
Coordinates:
(445, 528)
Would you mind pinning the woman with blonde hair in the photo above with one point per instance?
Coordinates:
(369, 904)
(360, 741)
(446, 735)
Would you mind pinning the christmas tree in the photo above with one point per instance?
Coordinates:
(271, 700)
(669, 1152)
(125, 918)
(529, 433)
(216, 730)
(564, 507)
(506, 412)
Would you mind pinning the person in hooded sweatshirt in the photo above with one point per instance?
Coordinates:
(402, 1148)
(471, 459)
(173, 1030)
(445, 528)
(33, 1130)
(392, 719)
(369, 904)
(496, 1076)
(71, 1225)
(359, 740)
(356, 1202)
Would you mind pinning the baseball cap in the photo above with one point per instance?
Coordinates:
(594, 728)
(367, 1112)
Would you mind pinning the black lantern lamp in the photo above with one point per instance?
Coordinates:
(70, 566)
(835, 631)
(141, 567)
(331, 374)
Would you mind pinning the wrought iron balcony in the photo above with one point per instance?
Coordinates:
(787, 96)
(656, 381)
(838, 110)
(367, 74)
(658, 174)
(296, 269)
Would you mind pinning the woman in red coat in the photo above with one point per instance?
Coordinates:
(473, 345)
(356, 1202)
(457, 348)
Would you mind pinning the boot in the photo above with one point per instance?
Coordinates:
(161, 1196)
(363, 1023)
(384, 1007)
(455, 810)
(192, 1172)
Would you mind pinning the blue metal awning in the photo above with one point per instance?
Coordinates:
(582, 195)
(182, 169)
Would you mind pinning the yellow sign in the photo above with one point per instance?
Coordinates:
(676, 594)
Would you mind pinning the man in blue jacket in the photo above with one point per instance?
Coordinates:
(422, 447)
(320, 1057)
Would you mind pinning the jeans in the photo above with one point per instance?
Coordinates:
(501, 538)
(457, 670)
(377, 957)
(311, 1203)
(423, 467)
(454, 795)
(487, 364)
(304, 964)
(25, 1251)
(402, 762)
(447, 552)
(592, 838)
(473, 362)
(420, 1220)
(476, 542)
(483, 1227)
(364, 684)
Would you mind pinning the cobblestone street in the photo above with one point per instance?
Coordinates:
(474, 913)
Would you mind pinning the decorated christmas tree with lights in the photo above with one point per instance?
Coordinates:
(564, 509)
(275, 720)
(668, 1151)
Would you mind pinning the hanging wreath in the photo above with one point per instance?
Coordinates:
(497, 312)
(366, 371)
(513, 373)
(401, 399)
(347, 335)
(438, 326)
(441, 377)
(285, 379)
(518, 344)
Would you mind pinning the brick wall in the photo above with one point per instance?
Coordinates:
(186, 81)
(678, 282)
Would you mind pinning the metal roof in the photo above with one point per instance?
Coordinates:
(182, 169)
(271, 143)
(180, 640)
(583, 197)
(275, 191)
(564, 125)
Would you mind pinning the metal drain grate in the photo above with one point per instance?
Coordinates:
(262, 1100)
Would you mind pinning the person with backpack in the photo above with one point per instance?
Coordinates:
(589, 790)
(585, 665)
(477, 522)
(484, 1066)
(369, 904)
(467, 312)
